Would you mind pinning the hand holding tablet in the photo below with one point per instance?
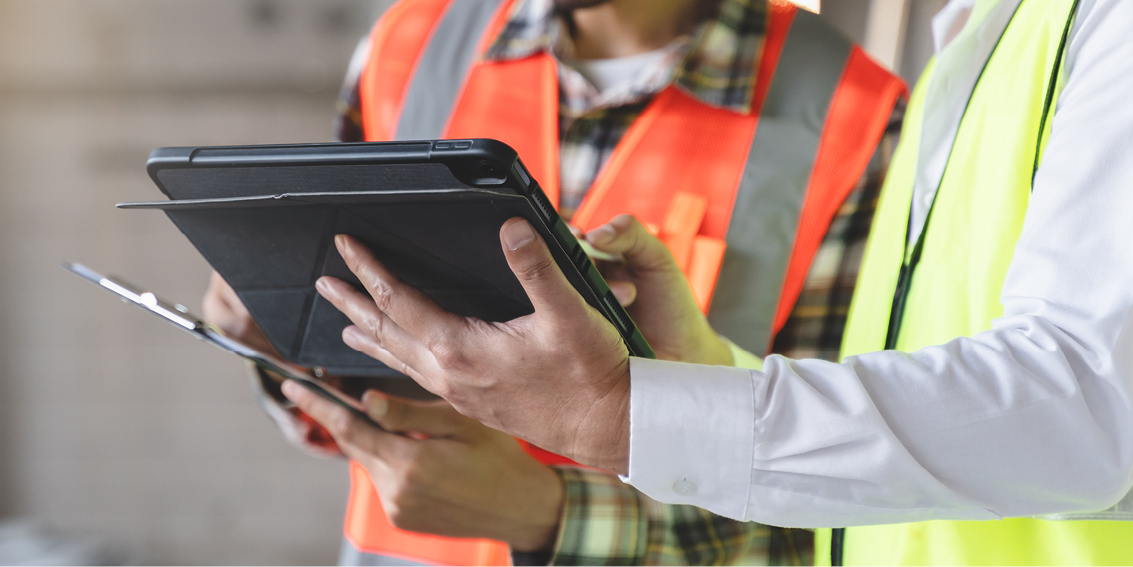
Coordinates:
(265, 217)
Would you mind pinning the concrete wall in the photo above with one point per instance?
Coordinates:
(112, 423)
(849, 16)
(918, 39)
(855, 18)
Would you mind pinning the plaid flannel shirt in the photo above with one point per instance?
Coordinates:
(604, 521)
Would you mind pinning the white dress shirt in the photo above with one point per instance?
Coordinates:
(1034, 416)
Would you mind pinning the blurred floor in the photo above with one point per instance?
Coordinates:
(28, 543)
(113, 425)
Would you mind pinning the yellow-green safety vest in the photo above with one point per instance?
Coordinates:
(967, 247)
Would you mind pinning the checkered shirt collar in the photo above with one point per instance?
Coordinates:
(716, 64)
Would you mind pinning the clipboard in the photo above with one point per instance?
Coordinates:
(180, 317)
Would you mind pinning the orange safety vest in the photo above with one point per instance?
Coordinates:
(685, 168)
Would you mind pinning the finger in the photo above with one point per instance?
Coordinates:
(434, 419)
(355, 437)
(380, 329)
(223, 308)
(225, 291)
(627, 236)
(614, 271)
(412, 310)
(626, 292)
(546, 286)
(358, 340)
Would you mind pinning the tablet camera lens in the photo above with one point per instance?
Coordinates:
(482, 172)
(490, 169)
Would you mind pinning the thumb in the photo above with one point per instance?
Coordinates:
(546, 286)
(626, 235)
(431, 419)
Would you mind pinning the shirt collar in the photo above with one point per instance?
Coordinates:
(716, 64)
(949, 22)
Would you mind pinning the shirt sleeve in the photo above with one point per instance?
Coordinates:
(1034, 416)
(606, 522)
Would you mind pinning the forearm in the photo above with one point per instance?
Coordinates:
(1005, 424)
(1033, 416)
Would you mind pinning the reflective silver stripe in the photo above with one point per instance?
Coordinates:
(765, 220)
(761, 236)
(442, 69)
(349, 555)
(429, 101)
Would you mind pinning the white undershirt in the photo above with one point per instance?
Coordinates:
(1034, 416)
(609, 74)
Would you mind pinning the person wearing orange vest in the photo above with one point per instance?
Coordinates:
(983, 411)
(750, 135)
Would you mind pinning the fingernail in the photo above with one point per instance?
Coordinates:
(323, 285)
(518, 234)
(602, 235)
(624, 294)
(340, 241)
(376, 404)
(353, 337)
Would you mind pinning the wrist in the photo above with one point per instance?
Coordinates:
(604, 439)
(539, 529)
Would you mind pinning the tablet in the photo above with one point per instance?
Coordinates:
(265, 217)
(177, 315)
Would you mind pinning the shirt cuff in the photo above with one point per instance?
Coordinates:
(692, 434)
(742, 358)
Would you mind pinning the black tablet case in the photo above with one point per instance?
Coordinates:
(433, 218)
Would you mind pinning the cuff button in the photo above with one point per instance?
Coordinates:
(684, 487)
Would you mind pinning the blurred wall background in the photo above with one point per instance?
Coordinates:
(121, 440)
(113, 425)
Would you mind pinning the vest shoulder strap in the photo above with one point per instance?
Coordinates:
(826, 109)
(420, 53)
(858, 117)
(443, 69)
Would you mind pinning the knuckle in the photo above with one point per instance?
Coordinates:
(538, 270)
(404, 368)
(404, 519)
(445, 390)
(447, 353)
(436, 340)
(374, 325)
(637, 241)
(343, 425)
(382, 292)
(419, 479)
(402, 506)
(628, 222)
(395, 512)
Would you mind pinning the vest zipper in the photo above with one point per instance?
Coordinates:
(896, 314)
(898, 309)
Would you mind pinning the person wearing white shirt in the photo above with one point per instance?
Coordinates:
(991, 373)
